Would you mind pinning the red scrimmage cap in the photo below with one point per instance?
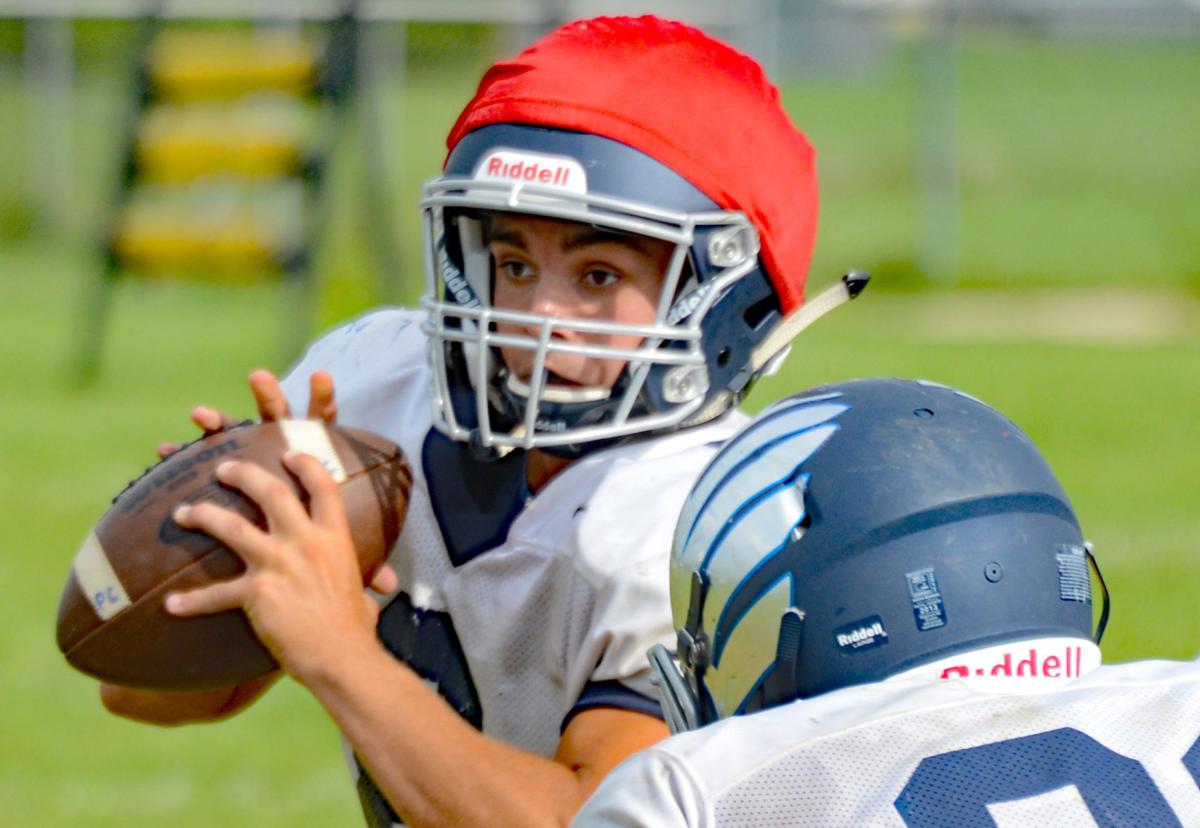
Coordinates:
(692, 103)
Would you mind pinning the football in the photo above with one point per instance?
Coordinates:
(111, 620)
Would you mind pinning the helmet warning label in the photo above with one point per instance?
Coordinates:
(929, 611)
(1073, 581)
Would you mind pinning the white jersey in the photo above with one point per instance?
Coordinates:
(1118, 747)
(521, 610)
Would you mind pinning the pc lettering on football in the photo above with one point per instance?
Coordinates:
(111, 622)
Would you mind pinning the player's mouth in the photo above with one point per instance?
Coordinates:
(554, 378)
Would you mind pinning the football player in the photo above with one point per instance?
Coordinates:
(884, 613)
(616, 249)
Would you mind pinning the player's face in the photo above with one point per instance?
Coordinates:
(571, 270)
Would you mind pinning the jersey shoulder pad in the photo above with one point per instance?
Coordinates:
(630, 516)
(381, 353)
(386, 336)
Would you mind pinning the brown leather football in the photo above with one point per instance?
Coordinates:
(111, 621)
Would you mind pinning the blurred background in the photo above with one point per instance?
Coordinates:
(191, 190)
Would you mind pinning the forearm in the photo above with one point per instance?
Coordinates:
(434, 768)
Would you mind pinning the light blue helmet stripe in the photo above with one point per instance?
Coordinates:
(730, 624)
(749, 521)
(737, 457)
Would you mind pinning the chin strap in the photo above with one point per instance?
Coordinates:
(770, 353)
(1102, 622)
(848, 287)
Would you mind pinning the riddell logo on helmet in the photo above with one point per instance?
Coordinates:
(556, 171)
(864, 634)
(1029, 662)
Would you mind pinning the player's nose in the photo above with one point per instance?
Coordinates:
(553, 295)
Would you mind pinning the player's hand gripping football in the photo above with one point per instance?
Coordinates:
(172, 707)
(302, 588)
(273, 406)
(302, 581)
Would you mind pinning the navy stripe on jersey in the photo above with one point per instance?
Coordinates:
(425, 640)
(612, 694)
(474, 501)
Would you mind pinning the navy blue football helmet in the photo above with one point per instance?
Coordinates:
(858, 530)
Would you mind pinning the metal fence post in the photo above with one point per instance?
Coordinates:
(49, 103)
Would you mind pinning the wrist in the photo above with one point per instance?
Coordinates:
(336, 668)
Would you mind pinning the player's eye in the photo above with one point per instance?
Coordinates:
(600, 277)
(513, 269)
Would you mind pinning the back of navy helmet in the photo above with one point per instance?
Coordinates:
(863, 528)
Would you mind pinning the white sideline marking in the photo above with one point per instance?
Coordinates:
(311, 437)
(99, 582)
(1072, 315)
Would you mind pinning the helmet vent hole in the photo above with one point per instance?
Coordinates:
(723, 357)
(923, 413)
(759, 312)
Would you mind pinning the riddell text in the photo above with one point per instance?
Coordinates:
(1034, 663)
(529, 171)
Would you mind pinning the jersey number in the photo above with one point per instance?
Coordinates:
(956, 788)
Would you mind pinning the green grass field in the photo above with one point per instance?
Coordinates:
(1054, 137)
(1116, 420)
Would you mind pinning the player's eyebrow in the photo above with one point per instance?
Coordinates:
(503, 235)
(587, 234)
(580, 236)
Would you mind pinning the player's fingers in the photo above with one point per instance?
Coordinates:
(246, 540)
(278, 500)
(324, 496)
(206, 600)
(268, 396)
(210, 420)
(321, 403)
(165, 450)
(372, 608)
(385, 581)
